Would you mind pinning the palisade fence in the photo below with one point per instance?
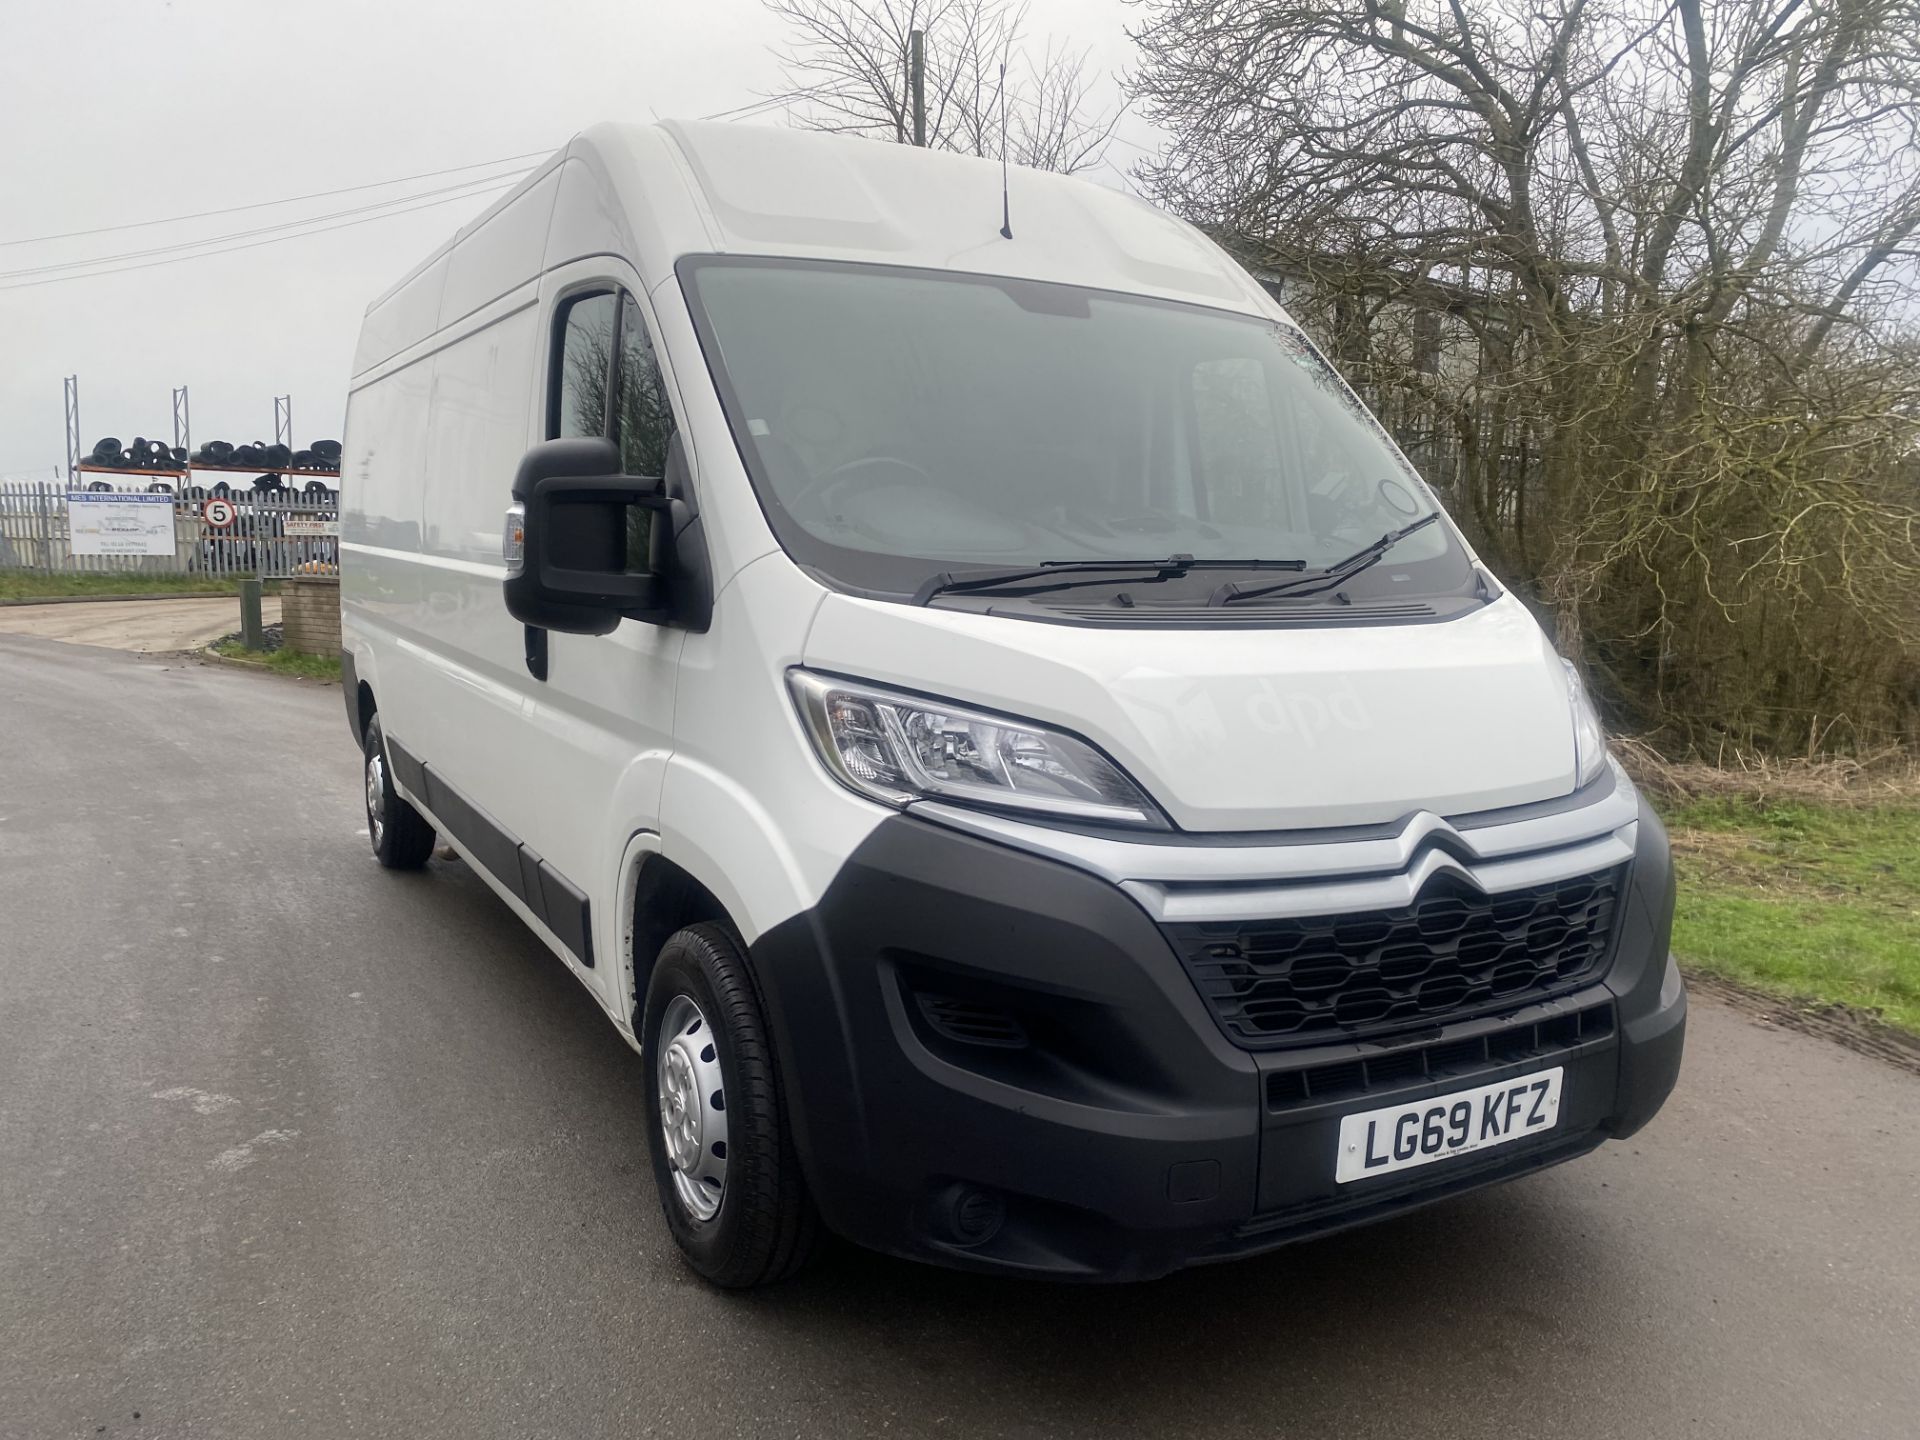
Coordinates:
(34, 535)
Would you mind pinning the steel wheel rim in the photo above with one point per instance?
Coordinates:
(376, 797)
(693, 1107)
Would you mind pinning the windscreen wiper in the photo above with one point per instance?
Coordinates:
(1328, 577)
(993, 582)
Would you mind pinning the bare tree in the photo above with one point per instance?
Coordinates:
(1636, 281)
(846, 68)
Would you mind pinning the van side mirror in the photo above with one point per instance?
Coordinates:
(583, 542)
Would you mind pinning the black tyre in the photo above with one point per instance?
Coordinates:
(402, 839)
(723, 1157)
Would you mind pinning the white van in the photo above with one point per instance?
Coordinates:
(986, 711)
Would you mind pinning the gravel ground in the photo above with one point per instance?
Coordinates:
(154, 626)
(272, 637)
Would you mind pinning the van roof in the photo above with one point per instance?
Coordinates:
(655, 193)
(802, 192)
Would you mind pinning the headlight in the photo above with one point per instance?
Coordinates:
(897, 748)
(1589, 740)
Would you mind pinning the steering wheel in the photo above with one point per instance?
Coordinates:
(865, 474)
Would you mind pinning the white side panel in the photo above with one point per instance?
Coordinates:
(403, 318)
(451, 429)
(500, 251)
(382, 584)
(1246, 729)
(748, 808)
(383, 458)
(483, 388)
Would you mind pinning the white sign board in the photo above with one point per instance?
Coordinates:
(297, 525)
(105, 522)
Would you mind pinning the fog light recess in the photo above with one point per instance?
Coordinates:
(969, 1215)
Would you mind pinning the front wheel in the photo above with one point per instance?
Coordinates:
(402, 838)
(723, 1159)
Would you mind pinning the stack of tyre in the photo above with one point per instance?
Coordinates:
(142, 454)
(322, 455)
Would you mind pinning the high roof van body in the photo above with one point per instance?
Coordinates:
(985, 710)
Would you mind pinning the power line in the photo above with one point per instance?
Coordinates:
(757, 107)
(249, 245)
(461, 185)
(289, 200)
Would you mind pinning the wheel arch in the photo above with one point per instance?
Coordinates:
(357, 679)
(661, 897)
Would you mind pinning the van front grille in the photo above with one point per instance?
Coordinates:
(1454, 953)
(1416, 1064)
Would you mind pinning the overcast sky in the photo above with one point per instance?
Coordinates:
(121, 110)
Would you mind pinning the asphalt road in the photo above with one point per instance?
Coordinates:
(290, 1146)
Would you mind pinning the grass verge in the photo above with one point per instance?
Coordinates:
(43, 585)
(283, 662)
(1803, 900)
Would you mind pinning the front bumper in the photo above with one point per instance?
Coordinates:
(974, 1038)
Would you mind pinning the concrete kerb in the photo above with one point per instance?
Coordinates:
(209, 653)
(214, 657)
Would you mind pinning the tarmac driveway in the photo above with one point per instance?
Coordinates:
(291, 1146)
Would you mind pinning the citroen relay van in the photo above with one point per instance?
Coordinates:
(993, 720)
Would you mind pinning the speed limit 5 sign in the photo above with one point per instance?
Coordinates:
(219, 513)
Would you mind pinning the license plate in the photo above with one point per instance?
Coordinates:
(1400, 1137)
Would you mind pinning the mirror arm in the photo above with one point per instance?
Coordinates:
(606, 489)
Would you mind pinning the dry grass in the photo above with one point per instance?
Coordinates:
(1891, 777)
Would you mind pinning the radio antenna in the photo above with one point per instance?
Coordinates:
(1006, 203)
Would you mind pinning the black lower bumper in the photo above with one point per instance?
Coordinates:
(996, 1061)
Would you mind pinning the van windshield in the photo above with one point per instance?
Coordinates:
(898, 424)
